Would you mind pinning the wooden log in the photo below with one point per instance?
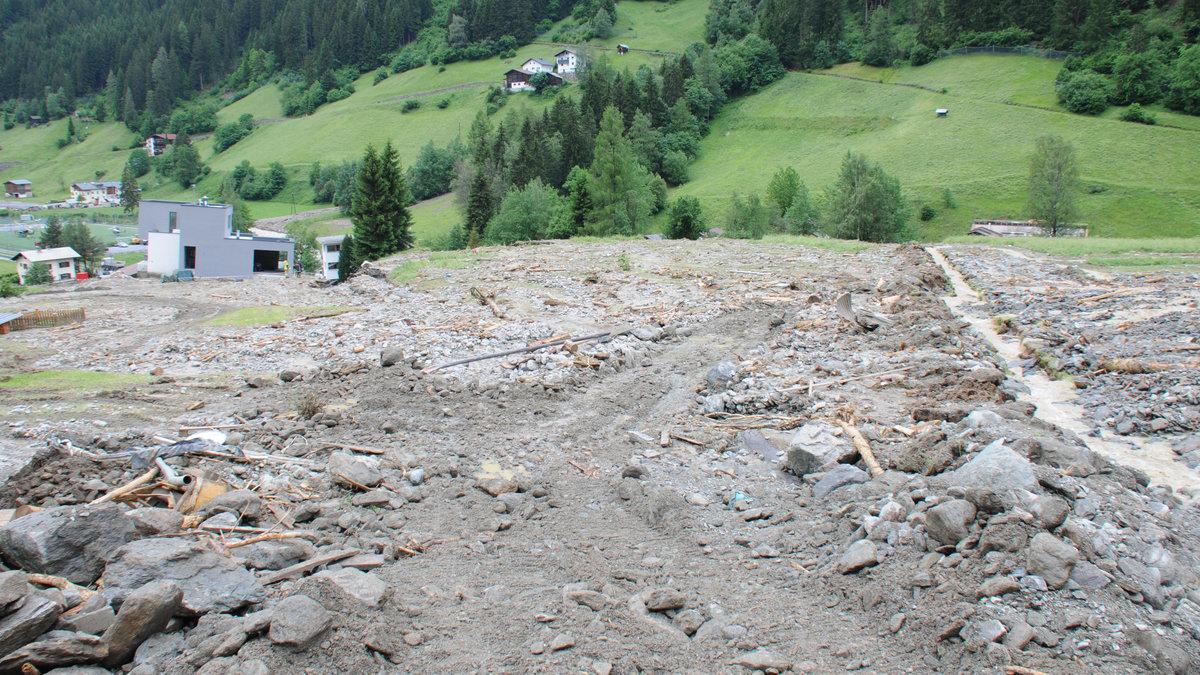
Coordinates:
(354, 448)
(863, 447)
(309, 565)
(270, 536)
(531, 348)
(488, 298)
(128, 487)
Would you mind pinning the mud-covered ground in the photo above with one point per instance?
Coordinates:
(685, 497)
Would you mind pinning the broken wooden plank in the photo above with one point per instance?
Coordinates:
(309, 565)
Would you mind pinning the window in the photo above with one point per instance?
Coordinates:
(189, 257)
(331, 266)
(65, 264)
(172, 216)
(333, 248)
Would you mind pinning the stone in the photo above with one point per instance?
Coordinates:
(720, 376)
(590, 599)
(144, 612)
(377, 497)
(816, 444)
(66, 541)
(243, 503)
(949, 522)
(55, 652)
(689, 621)
(1051, 558)
(996, 467)
(80, 670)
(351, 471)
(996, 586)
(1051, 511)
(838, 477)
(982, 419)
(94, 622)
(210, 582)
(275, 554)
(979, 634)
(391, 356)
(1020, 634)
(152, 521)
(13, 586)
(663, 599)
(496, 486)
(364, 587)
(298, 621)
(763, 659)
(1090, 577)
(290, 375)
(860, 555)
(159, 648)
(35, 614)
(364, 561)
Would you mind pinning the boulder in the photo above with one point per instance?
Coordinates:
(297, 621)
(351, 471)
(34, 615)
(391, 356)
(275, 554)
(145, 612)
(838, 477)
(948, 522)
(860, 555)
(13, 586)
(720, 376)
(67, 541)
(663, 599)
(364, 587)
(815, 445)
(210, 582)
(1051, 558)
(152, 521)
(54, 652)
(243, 503)
(996, 467)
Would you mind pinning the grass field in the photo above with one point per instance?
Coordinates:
(75, 380)
(33, 155)
(267, 315)
(1139, 180)
(102, 232)
(1089, 246)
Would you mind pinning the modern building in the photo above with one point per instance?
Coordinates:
(18, 188)
(88, 193)
(329, 250)
(61, 262)
(156, 144)
(199, 237)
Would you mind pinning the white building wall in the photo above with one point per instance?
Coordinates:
(164, 253)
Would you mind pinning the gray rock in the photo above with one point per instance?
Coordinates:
(349, 470)
(689, 621)
(982, 419)
(210, 582)
(979, 634)
(242, 503)
(1051, 511)
(995, 586)
(297, 621)
(391, 356)
(763, 659)
(275, 554)
(496, 486)
(860, 555)
(364, 587)
(663, 599)
(1019, 635)
(159, 648)
(949, 522)
(1089, 576)
(815, 445)
(1051, 558)
(80, 670)
(34, 615)
(94, 622)
(152, 521)
(720, 376)
(66, 541)
(13, 586)
(838, 477)
(55, 652)
(996, 467)
(1147, 579)
(145, 612)
(290, 375)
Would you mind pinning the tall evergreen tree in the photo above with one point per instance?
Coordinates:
(619, 184)
(379, 208)
(52, 234)
(396, 199)
(131, 193)
(480, 208)
(348, 259)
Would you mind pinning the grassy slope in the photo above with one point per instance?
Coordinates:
(1150, 176)
(52, 170)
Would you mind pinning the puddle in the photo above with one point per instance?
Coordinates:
(1055, 399)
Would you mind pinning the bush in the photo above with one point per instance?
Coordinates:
(38, 274)
(444, 103)
(686, 219)
(1183, 84)
(748, 218)
(380, 76)
(526, 214)
(921, 54)
(928, 213)
(250, 184)
(8, 289)
(1084, 92)
(229, 134)
(454, 240)
(658, 191)
(675, 167)
(1136, 113)
(866, 203)
(1139, 78)
(335, 95)
(1009, 37)
(410, 105)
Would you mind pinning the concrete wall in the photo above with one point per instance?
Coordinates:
(219, 253)
(164, 254)
(154, 216)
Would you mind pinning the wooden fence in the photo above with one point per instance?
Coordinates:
(46, 318)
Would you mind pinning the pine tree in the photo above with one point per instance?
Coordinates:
(396, 200)
(480, 208)
(52, 235)
(619, 184)
(131, 193)
(112, 95)
(379, 209)
(880, 48)
(348, 259)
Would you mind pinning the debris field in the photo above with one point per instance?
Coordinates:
(713, 456)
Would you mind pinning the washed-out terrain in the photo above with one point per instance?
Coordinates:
(985, 462)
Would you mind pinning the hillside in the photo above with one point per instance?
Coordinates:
(1139, 180)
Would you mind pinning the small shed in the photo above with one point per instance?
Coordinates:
(942, 112)
(622, 49)
(6, 320)
(18, 188)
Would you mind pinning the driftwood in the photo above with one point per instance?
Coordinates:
(59, 583)
(1021, 670)
(309, 565)
(1138, 366)
(355, 448)
(128, 487)
(269, 536)
(844, 380)
(609, 334)
(863, 447)
(488, 298)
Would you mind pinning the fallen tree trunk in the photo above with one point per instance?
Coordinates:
(609, 334)
(863, 447)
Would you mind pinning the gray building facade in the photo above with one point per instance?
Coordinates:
(199, 237)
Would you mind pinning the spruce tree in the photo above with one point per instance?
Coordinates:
(348, 260)
(619, 184)
(480, 208)
(52, 235)
(396, 199)
(131, 193)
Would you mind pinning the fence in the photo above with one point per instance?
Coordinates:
(1029, 51)
(46, 318)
